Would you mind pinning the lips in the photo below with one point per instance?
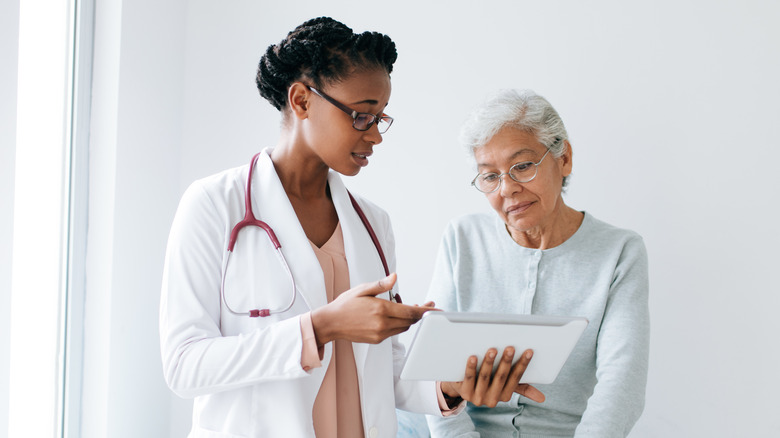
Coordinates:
(362, 158)
(518, 208)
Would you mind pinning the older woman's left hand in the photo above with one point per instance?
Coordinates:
(485, 388)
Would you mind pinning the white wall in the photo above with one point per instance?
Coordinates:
(9, 49)
(669, 107)
(134, 189)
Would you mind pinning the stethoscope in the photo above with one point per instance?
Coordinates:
(250, 220)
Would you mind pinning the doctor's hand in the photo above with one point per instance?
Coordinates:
(357, 315)
(485, 388)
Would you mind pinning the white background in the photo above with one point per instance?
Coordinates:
(671, 106)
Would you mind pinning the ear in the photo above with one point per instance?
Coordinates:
(298, 100)
(566, 160)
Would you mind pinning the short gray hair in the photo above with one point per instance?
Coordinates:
(520, 109)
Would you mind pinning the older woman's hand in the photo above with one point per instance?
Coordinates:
(485, 388)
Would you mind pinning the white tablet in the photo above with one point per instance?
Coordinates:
(445, 340)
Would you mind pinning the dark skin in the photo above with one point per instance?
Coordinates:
(317, 217)
(317, 137)
(484, 388)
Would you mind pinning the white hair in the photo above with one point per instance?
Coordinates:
(519, 109)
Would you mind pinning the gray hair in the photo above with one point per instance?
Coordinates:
(520, 109)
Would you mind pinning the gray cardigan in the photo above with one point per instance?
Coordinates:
(599, 273)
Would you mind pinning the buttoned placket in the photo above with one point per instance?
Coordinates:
(532, 274)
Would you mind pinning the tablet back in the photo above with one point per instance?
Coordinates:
(445, 340)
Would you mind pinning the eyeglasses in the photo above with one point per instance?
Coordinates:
(360, 121)
(521, 172)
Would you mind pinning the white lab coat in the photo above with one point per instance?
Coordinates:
(245, 373)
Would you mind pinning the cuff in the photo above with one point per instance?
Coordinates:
(446, 410)
(311, 356)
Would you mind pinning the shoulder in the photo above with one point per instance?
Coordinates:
(368, 205)
(470, 226)
(218, 184)
(604, 241)
(219, 189)
(215, 196)
(600, 232)
(470, 234)
(372, 211)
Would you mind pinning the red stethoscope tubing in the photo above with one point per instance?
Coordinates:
(250, 220)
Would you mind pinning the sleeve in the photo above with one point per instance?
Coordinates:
(311, 355)
(197, 358)
(443, 291)
(622, 350)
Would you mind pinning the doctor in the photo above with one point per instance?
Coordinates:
(296, 341)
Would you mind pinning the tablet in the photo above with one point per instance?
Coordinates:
(445, 340)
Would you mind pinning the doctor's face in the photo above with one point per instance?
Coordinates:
(332, 135)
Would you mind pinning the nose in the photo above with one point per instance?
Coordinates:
(372, 135)
(507, 186)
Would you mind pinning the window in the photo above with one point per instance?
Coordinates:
(49, 231)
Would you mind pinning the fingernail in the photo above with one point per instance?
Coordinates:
(491, 354)
(509, 352)
(528, 354)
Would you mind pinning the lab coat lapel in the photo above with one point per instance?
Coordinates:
(362, 258)
(272, 206)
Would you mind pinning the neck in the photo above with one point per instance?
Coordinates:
(560, 226)
(303, 175)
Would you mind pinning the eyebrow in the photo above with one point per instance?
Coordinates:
(511, 157)
(368, 101)
(371, 102)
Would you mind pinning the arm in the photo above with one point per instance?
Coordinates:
(622, 351)
(197, 358)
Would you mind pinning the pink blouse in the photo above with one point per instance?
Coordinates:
(337, 406)
(336, 409)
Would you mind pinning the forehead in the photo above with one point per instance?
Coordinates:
(509, 146)
(363, 86)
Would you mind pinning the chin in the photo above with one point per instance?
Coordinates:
(522, 225)
(349, 171)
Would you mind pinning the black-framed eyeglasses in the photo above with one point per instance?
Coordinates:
(521, 172)
(360, 121)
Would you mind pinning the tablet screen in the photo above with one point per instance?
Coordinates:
(445, 340)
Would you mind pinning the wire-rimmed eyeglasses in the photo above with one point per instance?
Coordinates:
(360, 121)
(522, 172)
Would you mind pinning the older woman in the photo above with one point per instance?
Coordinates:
(537, 255)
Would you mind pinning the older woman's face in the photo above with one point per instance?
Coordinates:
(525, 207)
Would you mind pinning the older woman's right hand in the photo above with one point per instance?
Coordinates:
(485, 388)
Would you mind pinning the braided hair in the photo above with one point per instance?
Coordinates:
(321, 50)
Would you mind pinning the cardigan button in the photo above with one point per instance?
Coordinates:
(373, 432)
